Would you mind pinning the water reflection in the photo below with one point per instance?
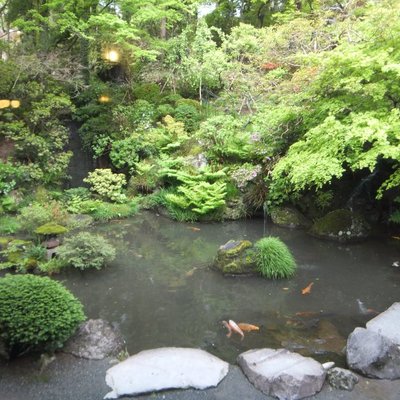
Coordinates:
(161, 292)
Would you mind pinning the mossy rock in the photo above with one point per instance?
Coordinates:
(289, 217)
(51, 229)
(235, 209)
(341, 225)
(236, 257)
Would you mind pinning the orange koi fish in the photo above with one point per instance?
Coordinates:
(248, 327)
(193, 228)
(307, 290)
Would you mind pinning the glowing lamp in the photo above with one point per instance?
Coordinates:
(5, 103)
(15, 103)
(112, 56)
(104, 99)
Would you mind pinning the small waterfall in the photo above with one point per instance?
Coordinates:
(81, 162)
(361, 188)
(265, 214)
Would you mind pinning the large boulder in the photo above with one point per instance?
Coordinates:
(95, 339)
(236, 257)
(165, 368)
(289, 217)
(341, 225)
(282, 374)
(375, 351)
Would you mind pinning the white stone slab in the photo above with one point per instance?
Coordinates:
(165, 368)
(387, 323)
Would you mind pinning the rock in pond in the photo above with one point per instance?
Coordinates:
(282, 374)
(165, 368)
(289, 217)
(375, 351)
(95, 340)
(341, 225)
(236, 257)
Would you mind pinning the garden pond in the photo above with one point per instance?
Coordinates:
(161, 291)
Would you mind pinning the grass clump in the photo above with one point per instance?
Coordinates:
(273, 258)
(36, 313)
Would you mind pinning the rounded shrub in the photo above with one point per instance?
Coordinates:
(273, 258)
(36, 313)
(86, 250)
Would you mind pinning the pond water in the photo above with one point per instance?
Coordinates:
(160, 290)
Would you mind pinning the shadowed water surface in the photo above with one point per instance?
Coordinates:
(160, 290)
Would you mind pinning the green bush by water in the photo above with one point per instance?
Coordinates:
(273, 258)
(86, 250)
(36, 313)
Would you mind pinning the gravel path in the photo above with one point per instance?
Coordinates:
(70, 378)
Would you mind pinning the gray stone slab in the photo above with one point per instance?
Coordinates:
(282, 374)
(387, 323)
(165, 368)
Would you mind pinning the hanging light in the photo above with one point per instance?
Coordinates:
(5, 103)
(112, 55)
(104, 99)
(15, 103)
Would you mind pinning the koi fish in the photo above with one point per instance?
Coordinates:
(248, 327)
(306, 314)
(227, 326)
(307, 290)
(364, 310)
(194, 229)
(235, 328)
(232, 327)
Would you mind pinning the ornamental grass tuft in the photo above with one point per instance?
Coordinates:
(273, 258)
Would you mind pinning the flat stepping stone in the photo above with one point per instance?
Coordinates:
(165, 368)
(282, 374)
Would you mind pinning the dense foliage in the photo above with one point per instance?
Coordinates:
(293, 101)
(36, 313)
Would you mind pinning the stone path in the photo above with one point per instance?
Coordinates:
(70, 378)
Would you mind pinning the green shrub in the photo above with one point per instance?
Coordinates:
(165, 109)
(22, 255)
(274, 259)
(124, 153)
(9, 225)
(106, 211)
(86, 250)
(8, 204)
(52, 266)
(189, 115)
(36, 313)
(107, 184)
(147, 91)
(33, 216)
